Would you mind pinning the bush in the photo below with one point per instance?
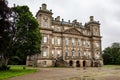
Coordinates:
(4, 67)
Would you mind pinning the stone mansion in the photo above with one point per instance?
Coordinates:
(76, 44)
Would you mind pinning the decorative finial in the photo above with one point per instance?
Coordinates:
(51, 10)
(40, 8)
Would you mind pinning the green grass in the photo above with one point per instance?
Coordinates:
(16, 70)
(111, 66)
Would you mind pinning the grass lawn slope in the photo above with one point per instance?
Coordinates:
(16, 70)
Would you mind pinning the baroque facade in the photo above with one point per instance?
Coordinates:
(78, 45)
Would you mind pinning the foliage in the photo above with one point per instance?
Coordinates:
(16, 71)
(6, 33)
(111, 55)
(27, 35)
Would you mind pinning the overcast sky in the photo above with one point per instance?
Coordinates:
(105, 11)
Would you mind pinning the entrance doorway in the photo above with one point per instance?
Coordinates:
(71, 63)
(77, 64)
(84, 63)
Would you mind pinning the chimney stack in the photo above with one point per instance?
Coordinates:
(91, 18)
(44, 6)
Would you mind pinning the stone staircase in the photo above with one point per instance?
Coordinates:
(61, 63)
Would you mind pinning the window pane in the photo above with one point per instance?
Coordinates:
(58, 53)
(44, 53)
(66, 52)
(66, 41)
(52, 40)
(45, 24)
(52, 27)
(58, 41)
(45, 39)
(78, 41)
(73, 41)
(52, 52)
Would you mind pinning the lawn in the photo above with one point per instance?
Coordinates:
(111, 66)
(16, 70)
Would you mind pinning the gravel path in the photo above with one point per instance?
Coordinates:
(72, 74)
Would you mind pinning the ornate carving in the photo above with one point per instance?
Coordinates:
(72, 31)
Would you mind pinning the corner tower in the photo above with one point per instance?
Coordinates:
(44, 17)
(94, 27)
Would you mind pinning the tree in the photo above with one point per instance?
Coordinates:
(27, 35)
(111, 55)
(6, 32)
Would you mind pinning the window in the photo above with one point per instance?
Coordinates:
(88, 43)
(97, 44)
(58, 28)
(84, 43)
(66, 41)
(59, 53)
(45, 39)
(58, 41)
(45, 24)
(79, 42)
(52, 27)
(73, 53)
(52, 53)
(66, 53)
(52, 40)
(84, 53)
(44, 53)
(79, 53)
(73, 41)
(89, 54)
(98, 55)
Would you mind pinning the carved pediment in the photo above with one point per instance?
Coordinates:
(72, 31)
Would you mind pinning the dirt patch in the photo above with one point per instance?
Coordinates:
(72, 74)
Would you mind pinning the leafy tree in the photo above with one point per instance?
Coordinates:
(111, 55)
(27, 34)
(6, 32)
